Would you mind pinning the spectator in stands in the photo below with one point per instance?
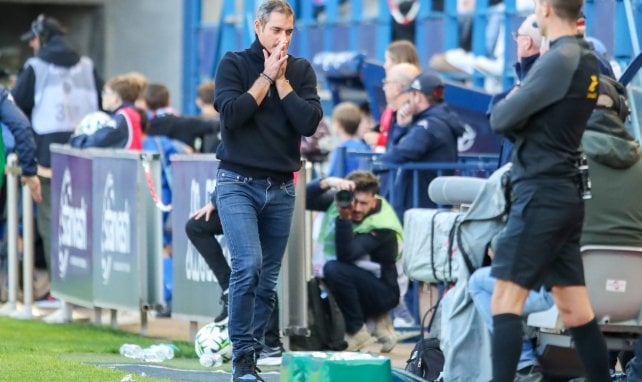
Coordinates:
(615, 163)
(397, 52)
(25, 145)
(528, 41)
(267, 99)
(346, 118)
(201, 229)
(41, 94)
(361, 239)
(205, 102)
(125, 129)
(163, 120)
(428, 133)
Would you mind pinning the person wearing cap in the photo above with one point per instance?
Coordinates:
(428, 132)
(55, 107)
(540, 245)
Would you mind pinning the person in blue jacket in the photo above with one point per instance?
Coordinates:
(25, 144)
(429, 132)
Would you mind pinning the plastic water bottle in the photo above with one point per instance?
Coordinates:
(211, 360)
(158, 353)
(131, 351)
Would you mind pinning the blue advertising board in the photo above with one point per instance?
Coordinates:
(71, 225)
(195, 291)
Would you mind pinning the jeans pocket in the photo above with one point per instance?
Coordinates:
(289, 189)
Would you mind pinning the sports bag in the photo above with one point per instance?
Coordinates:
(430, 245)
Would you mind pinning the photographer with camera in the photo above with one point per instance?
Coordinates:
(360, 237)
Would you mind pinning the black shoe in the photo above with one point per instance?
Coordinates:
(221, 319)
(244, 369)
(270, 356)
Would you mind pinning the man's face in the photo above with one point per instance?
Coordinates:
(34, 44)
(362, 204)
(278, 28)
(111, 100)
(391, 89)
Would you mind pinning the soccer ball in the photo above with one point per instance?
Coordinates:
(92, 122)
(213, 339)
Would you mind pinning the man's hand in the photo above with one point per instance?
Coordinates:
(204, 211)
(33, 182)
(272, 66)
(404, 114)
(345, 213)
(336, 183)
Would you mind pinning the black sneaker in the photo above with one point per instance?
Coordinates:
(244, 369)
(221, 319)
(270, 356)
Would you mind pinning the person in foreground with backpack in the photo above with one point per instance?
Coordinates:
(360, 236)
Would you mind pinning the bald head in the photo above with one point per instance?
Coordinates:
(403, 73)
(528, 37)
(530, 28)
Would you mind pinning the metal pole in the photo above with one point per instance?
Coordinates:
(27, 253)
(12, 234)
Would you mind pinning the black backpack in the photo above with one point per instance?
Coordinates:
(426, 359)
(325, 321)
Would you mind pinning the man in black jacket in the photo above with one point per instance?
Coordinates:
(55, 89)
(267, 100)
(540, 244)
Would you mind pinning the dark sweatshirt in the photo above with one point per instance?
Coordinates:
(264, 140)
(547, 116)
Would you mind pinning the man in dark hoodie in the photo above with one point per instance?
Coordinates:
(428, 133)
(267, 100)
(56, 89)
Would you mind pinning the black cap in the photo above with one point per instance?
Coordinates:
(425, 83)
(44, 27)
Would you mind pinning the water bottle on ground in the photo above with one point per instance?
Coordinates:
(131, 351)
(211, 360)
(158, 353)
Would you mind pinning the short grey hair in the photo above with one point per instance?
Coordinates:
(269, 6)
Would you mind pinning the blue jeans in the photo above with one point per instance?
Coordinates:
(634, 369)
(256, 215)
(480, 286)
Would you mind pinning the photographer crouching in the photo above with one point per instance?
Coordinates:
(360, 238)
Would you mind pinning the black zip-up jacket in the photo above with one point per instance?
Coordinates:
(547, 116)
(18, 124)
(264, 140)
(58, 52)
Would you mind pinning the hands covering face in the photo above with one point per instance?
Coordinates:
(276, 62)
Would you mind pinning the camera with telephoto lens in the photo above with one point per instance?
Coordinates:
(343, 199)
(584, 178)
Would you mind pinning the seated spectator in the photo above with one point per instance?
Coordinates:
(398, 52)
(205, 103)
(346, 118)
(615, 164)
(428, 133)
(125, 130)
(163, 120)
(201, 229)
(361, 239)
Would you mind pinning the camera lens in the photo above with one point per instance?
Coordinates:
(343, 199)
